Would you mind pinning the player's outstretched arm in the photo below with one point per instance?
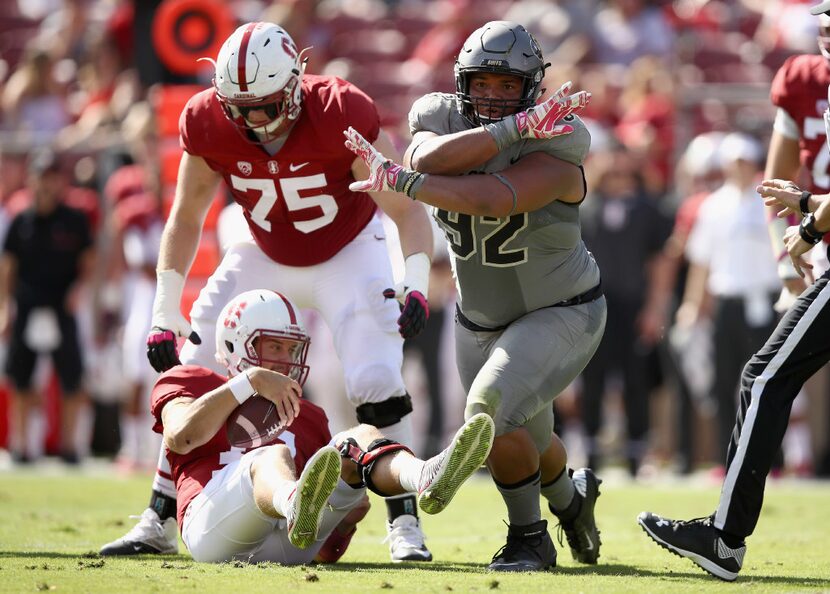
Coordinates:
(194, 192)
(459, 152)
(533, 182)
(415, 234)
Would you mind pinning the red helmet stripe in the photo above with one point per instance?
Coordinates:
(290, 308)
(243, 57)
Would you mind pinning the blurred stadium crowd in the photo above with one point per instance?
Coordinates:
(101, 82)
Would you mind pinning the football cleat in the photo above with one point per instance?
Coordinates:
(697, 540)
(150, 535)
(406, 540)
(445, 472)
(528, 548)
(581, 531)
(311, 493)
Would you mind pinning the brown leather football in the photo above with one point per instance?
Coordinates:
(254, 423)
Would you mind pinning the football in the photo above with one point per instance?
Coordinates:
(254, 423)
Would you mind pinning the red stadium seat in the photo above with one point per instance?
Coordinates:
(168, 102)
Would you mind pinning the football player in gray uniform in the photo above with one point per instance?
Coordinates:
(530, 310)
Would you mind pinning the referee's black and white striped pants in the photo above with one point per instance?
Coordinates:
(799, 346)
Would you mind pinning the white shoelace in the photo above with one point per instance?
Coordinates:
(145, 523)
(408, 533)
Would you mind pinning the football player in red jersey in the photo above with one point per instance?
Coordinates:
(232, 500)
(272, 134)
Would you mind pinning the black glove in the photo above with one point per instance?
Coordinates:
(414, 313)
(161, 349)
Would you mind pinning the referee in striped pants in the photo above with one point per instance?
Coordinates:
(797, 348)
(769, 383)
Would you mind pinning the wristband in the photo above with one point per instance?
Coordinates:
(241, 388)
(414, 183)
(504, 132)
(807, 230)
(804, 202)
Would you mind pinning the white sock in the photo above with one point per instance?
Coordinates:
(282, 496)
(162, 481)
(410, 469)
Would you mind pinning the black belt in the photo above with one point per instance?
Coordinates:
(590, 295)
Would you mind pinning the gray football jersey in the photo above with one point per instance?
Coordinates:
(507, 267)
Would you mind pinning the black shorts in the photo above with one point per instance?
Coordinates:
(20, 363)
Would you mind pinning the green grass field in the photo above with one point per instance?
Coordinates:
(53, 523)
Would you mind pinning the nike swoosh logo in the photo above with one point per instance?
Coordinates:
(292, 168)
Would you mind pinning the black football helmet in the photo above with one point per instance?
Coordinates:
(500, 47)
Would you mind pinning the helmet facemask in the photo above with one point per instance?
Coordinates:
(474, 108)
(259, 68)
(296, 368)
(499, 47)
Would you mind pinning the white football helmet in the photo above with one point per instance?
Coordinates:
(253, 315)
(259, 67)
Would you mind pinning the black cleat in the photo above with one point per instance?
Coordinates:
(528, 548)
(697, 540)
(581, 530)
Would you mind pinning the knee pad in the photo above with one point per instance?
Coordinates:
(385, 413)
(365, 460)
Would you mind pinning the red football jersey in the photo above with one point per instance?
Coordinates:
(800, 89)
(297, 202)
(191, 472)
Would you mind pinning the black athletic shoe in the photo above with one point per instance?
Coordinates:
(581, 531)
(528, 548)
(697, 540)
